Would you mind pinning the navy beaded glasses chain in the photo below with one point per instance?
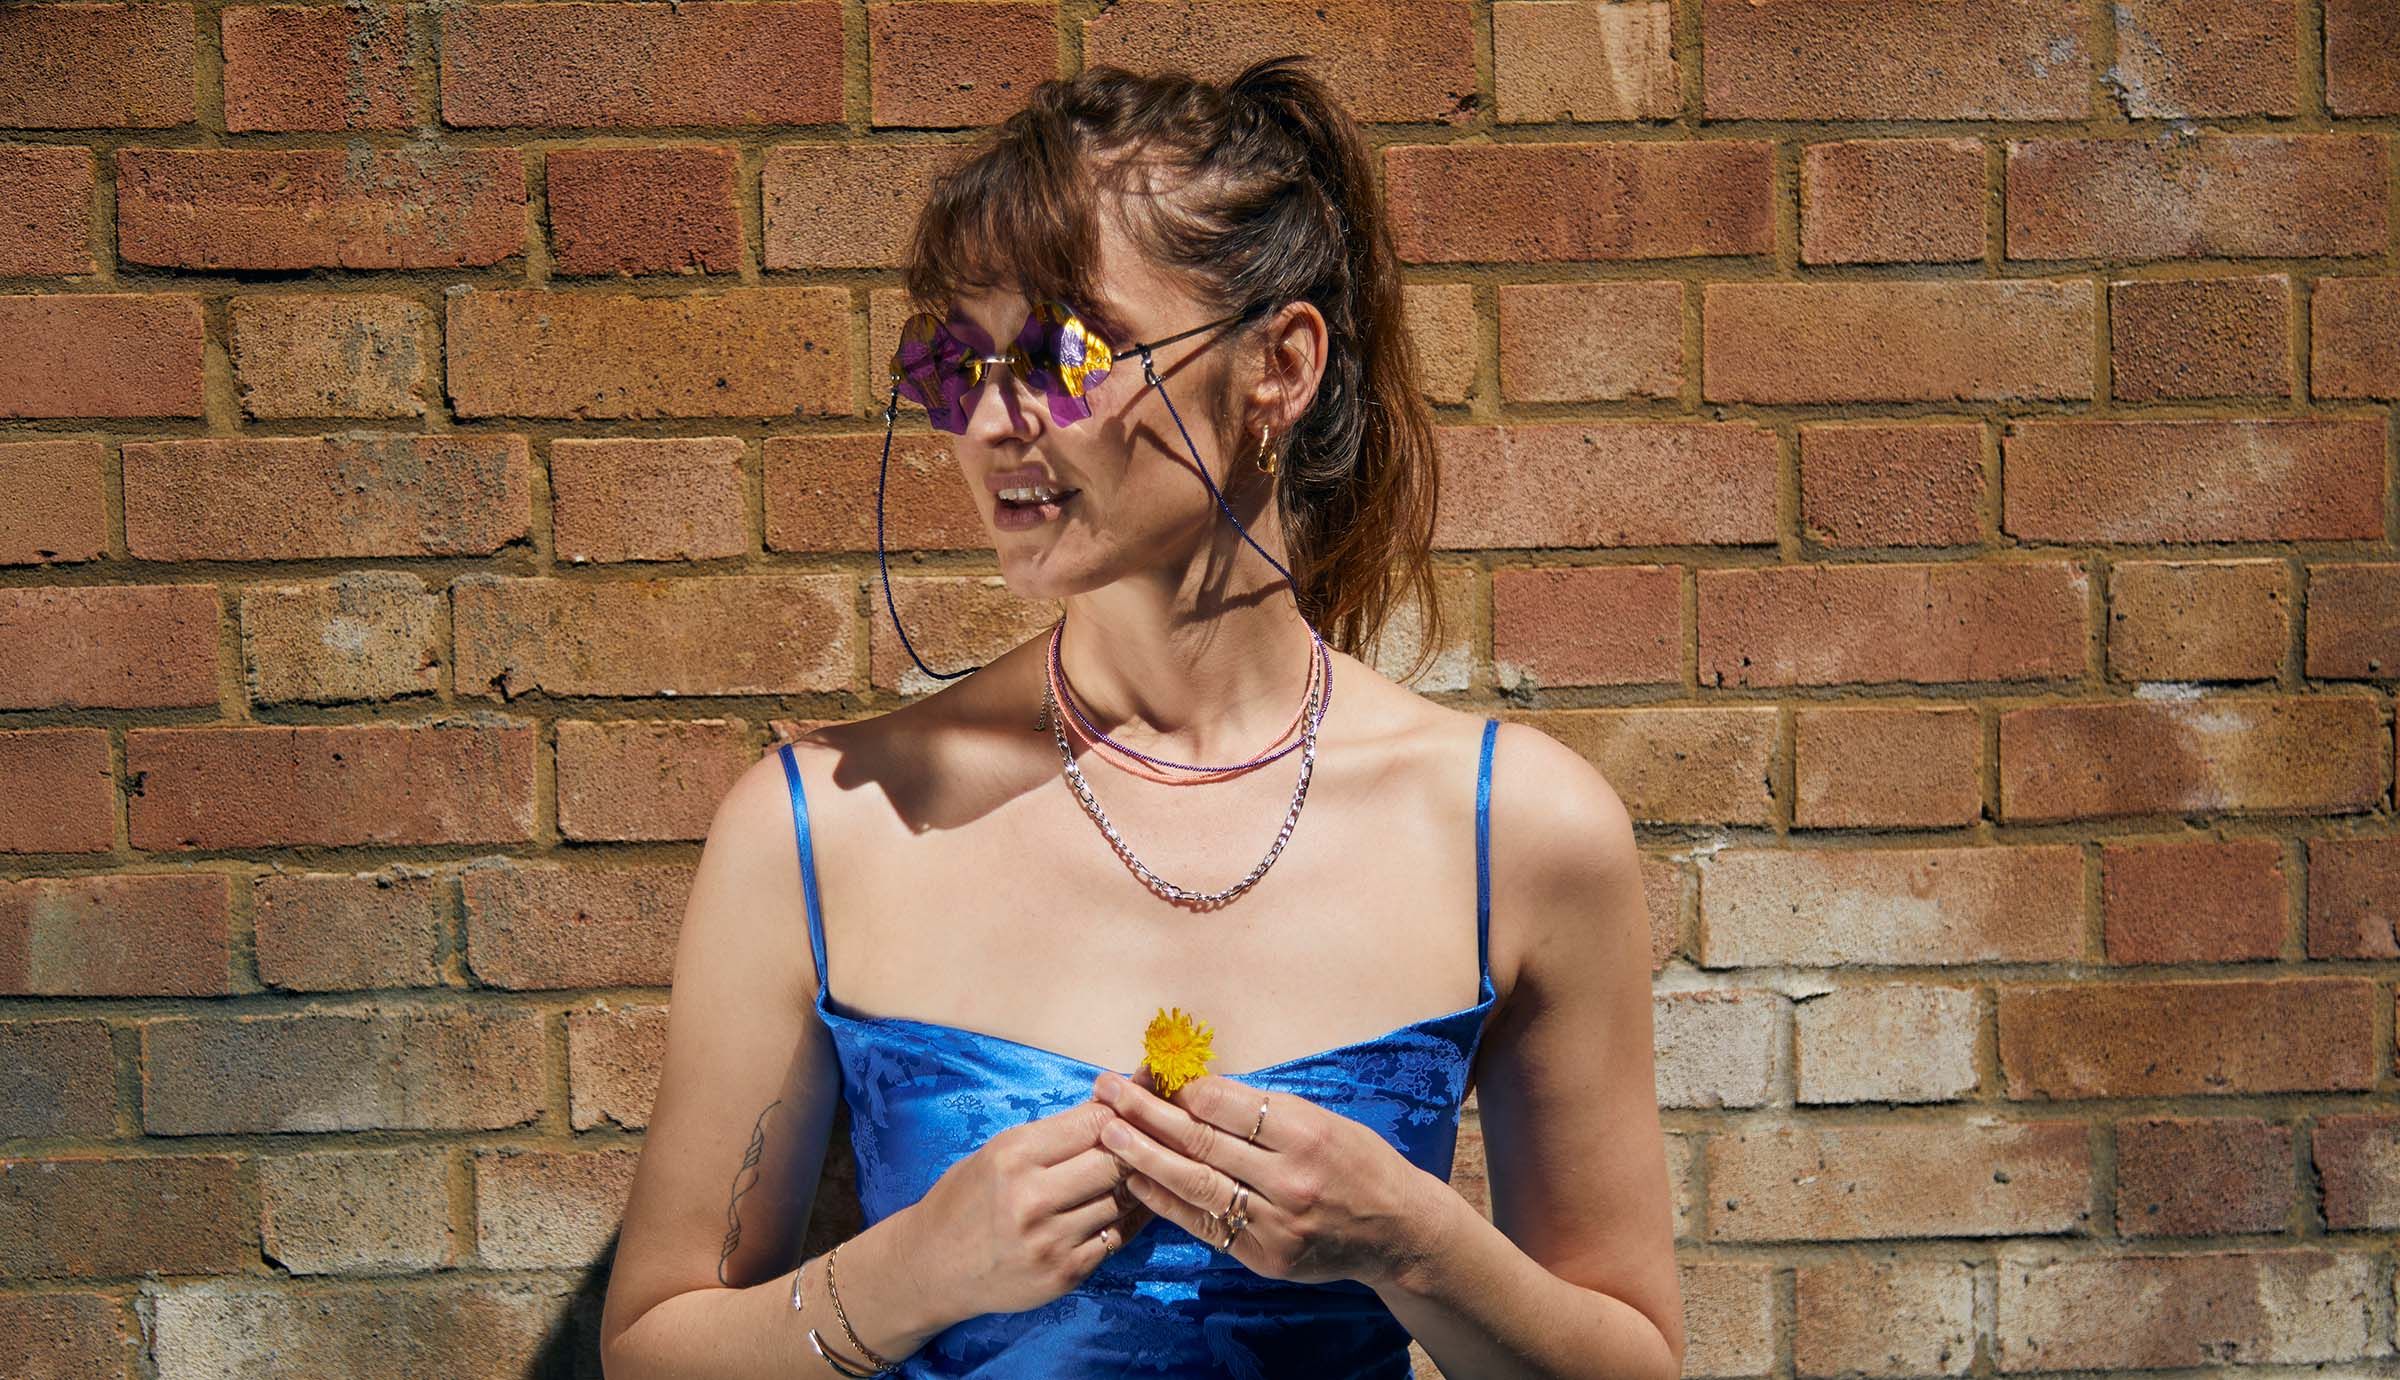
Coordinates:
(1058, 356)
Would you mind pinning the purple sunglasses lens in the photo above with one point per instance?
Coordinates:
(1054, 351)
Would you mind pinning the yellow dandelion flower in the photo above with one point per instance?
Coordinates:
(1176, 1050)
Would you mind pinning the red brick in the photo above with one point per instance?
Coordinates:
(345, 354)
(1821, 61)
(621, 780)
(1887, 766)
(1872, 1317)
(2362, 57)
(320, 208)
(942, 65)
(379, 1330)
(539, 1209)
(566, 66)
(340, 932)
(829, 205)
(1573, 202)
(644, 210)
(955, 622)
(2071, 1040)
(58, 502)
(101, 354)
(2354, 338)
(1587, 625)
(2198, 620)
(1447, 329)
(1584, 62)
(310, 67)
(1875, 201)
(1837, 1183)
(821, 489)
(96, 66)
(726, 635)
(2245, 754)
(2212, 1310)
(1607, 484)
(678, 498)
(151, 1215)
(418, 1069)
(363, 635)
(2203, 1176)
(2354, 1155)
(1892, 483)
(463, 779)
(2214, 195)
(71, 1336)
(2206, 57)
(2173, 338)
(2354, 897)
(1890, 339)
(1674, 765)
(48, 193)
(1591, 342)
(1411, 61)
(614, 1054)
(742, 352)
(61, 1080)
(108, 646)
(1886, 622)
(542, 926)
(58, 791)
(345, 496)
(136, 935)
(1822, 908)
(2194, 480)
(2209, 902)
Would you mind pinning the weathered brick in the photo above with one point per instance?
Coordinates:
(644, 210)
(1887, 766)
(1896, 340)
(1716, 1048)
(943, 66)
(101, 354)
(1878, 201)
(1891, 622)
(58, 791)
(2354, 338)
(344, 932)
(614, 1054)
(57, 1078)
(418, 1069)
(2198, 620)
(463, 779)
(2354, 897)
(538, 1209)
(2362, 57)
(1729, 1316)
(2357, 1158)
(2207, 902)
(2203, 1176)
(372, 1330)
(2073, 1040)
(1836, 1183)
(1882, 1317)
(565, 66)
(830, 205)
(2250, 754)
(71, 1335)
(2354, 621)
(537, 926)
(281, 498)
(1448, 665)
(108, 646)
(1675, 765)
(96, 1218)
(2211, 195)
(1590, 342)
(2209, 1309)
(47, 231)
(956, 621)
(630, 498)
(1584, 62)
(319, 67)
(2206, 57)
(331, 354)
(1447, 330)
(2175, 338)
(58, 502)
(362, 635)
(1892, 483)
(1570, 202)
(1892, 1042)
(320, 208)
(1830, 61)
(1822, 907)
(357, 1211)
(2194, 480)
(1386, 60)
(627, 779)
(96, 66)
(1607, 484)
(165, 934)
(1587, 625)
(725, 635)
(820, 494)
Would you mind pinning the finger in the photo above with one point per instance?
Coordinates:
(1063, 1135)
(1191, 1137)
(1239, 1109)
(1201, 1187)
(1091, 1173)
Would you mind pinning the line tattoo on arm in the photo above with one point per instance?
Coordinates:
(744, 1179)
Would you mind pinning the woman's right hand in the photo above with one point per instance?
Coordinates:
(1021, 1214)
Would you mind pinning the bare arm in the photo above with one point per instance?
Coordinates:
(1575, 1275)
(729, 1166)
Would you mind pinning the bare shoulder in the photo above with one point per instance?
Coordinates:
(1561, 838)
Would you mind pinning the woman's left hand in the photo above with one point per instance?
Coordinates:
(1329, 1199)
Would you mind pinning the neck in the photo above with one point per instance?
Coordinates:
(1184, 671)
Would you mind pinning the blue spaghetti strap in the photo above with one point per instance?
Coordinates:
(808, 862)
(1483, 852)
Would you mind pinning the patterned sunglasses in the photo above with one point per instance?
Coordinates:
(1055, 353)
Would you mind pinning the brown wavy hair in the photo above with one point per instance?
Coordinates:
(1265, 195)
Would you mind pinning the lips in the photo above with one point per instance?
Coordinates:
(1024, 477)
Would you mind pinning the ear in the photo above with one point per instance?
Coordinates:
(1293, 355)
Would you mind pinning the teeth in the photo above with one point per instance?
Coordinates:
(1031, 495)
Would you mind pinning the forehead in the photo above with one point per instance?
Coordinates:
(1134, 296)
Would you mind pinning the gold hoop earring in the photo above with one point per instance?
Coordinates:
(1266, 455)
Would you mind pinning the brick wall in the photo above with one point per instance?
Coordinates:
(1938, 459)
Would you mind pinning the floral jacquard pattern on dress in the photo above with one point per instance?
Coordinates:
(924, 1095)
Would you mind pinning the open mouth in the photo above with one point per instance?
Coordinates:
(1027, 510)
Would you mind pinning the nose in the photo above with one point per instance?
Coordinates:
(995, 409)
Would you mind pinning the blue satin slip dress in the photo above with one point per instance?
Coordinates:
(923, 1095)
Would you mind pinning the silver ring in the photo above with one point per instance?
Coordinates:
(1252, 1138)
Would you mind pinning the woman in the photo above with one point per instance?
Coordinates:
(1154, 303)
